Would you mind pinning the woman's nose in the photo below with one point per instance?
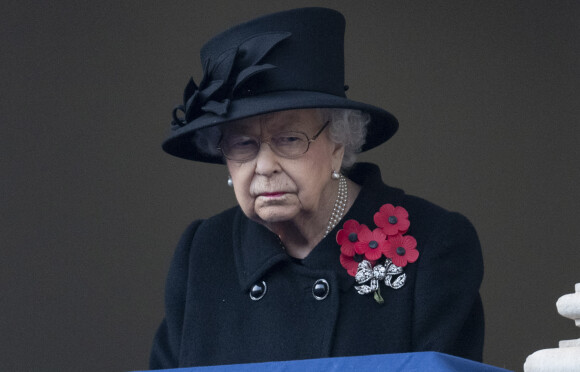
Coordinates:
(266, 160)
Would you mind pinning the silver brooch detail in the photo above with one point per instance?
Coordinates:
(392, 275)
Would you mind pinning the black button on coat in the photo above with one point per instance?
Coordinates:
(210, 318)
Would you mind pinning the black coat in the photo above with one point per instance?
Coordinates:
(211, 319)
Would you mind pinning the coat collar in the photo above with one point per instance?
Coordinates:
(257, 250)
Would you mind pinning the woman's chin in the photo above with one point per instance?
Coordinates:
(276, 214)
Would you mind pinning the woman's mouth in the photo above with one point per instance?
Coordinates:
(272, 194)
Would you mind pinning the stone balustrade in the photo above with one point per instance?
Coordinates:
(565, 358)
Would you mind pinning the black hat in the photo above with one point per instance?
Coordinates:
(288, 60)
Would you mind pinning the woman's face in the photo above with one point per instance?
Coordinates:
(270, 188)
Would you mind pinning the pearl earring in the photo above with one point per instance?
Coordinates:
(335, 175)
(230, 181)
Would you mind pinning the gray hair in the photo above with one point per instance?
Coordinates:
(347, 127)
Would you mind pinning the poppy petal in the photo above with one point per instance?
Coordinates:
(412, 255)
(409, 242)
(351, 226)
(347, 249)
(373, 254)
(380, 219)
(399, 261)
(360, 247)
(365, 234)
(401, 212)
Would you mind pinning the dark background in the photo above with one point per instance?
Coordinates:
(91, 209)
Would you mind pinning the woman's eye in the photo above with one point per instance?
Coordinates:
(242, 142)
(288, 139)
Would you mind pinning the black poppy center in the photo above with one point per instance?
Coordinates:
(352, 237)
(393, 220)
(373, 244)
(358, 257)
(401, 251)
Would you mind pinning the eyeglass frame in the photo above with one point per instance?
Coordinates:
(274, 148)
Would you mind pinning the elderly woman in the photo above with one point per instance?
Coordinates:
(320, 258)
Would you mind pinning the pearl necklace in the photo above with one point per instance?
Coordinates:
(337, 211)
(339, 205)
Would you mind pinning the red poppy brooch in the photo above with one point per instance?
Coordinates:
(379, 255)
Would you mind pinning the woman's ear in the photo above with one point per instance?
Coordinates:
(337, 155)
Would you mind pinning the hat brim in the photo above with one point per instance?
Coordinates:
(179, 143)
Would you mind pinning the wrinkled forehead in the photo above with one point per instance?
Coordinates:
(303, 120)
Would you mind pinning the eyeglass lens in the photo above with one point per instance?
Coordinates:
(243, 147)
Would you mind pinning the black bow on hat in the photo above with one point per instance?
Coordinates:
(213, 96)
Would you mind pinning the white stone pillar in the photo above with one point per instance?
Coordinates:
(566, 358)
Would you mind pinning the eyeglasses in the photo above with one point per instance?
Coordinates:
(241, 147)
